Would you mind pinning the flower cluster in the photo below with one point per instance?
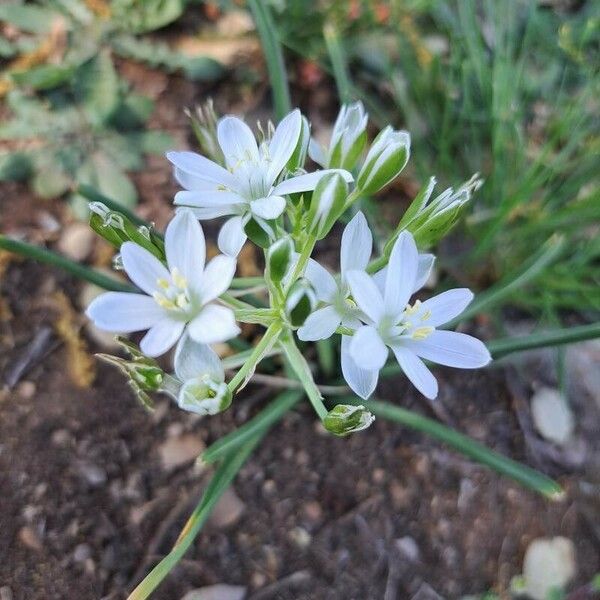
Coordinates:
(262, 188)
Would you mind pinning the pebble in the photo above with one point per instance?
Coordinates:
(92, 473)
(300, 537)
(227, 510)
(29, 538)
(26, 390)
(61, 437)
(219, 591)
(6, 593)
(552, 415)
(76, 241)
(408, 547)
(177, 451)
(548, 563)
(81, 553)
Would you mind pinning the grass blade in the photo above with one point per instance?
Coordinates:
(273, 56)
(223, 476)
(502, 289)
(74, 268)
(338, 63)
(526, 476)
(262, 421)
(558, 337)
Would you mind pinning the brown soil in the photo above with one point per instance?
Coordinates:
(382, 514)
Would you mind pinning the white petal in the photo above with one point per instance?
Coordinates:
(447, 305)
(452, 349)
(194, 360)
(320, 325)
(322, 281)
(357, 244)
(232, 236)
(268, 208)
(424, 267)
(366, 294)
(214, 324)
(317, 153)
(143, 268)
(237, 141)
(367, 349)
(401, 274)
(194, 171)
(361, 381)
(208, 199)
(283, 143)
(124, 312)
(216, 278)
(414, 368)
(379, 279)
(185, 246)
(161, 337)
(209, 213)
(307, 182)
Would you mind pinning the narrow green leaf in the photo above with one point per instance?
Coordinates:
(52, 258)
(526, 476)
(338, 63)
(273, 55)
(43, 77)
(263, 420)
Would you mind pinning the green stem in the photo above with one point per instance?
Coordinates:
(523, 474)
(263, 420)
(307, 250)
(377, 264)
(220, 481)
(302, 370)
(239, 283)
(268, 339)
(273, 55)
(74, 268)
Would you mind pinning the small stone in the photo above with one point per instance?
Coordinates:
(6, 593)
(177, 451)
(92, 473)
(26, 390)
(300, 537)
(549, 563)
(257, 580)
(378, 476)
(76, 241)
(29, 538)
(552, 415)
(313, 511)
(219, 591)
(61, 437)
(227, 510)
(408, 548)
(81, 553)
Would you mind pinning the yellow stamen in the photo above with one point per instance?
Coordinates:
(178, 279)
(426, 315)
(163, 283)
(421, 333)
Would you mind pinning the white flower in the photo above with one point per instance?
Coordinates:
(348, 139)
(203, 389)
(247, 188)
(410, 330)
(339, 308)
(173, 297)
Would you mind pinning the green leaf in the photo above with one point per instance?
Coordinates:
(153, 141)
(49, 179)
(133, 112)
(15, 166)
(113, 182)
(149, 15)
(122, 150)
(43, 77)
(97, 88)
(29, 18)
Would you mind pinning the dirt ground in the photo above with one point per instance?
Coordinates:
(94, 489)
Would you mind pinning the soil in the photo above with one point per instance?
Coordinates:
(88, 505)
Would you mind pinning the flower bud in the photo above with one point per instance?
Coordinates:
(298, 157)
(204, 124)
(385, 160)
(327, 204)
(300, 302)
(279, 258)
(349, 136)
(343, 419)
(204, 396)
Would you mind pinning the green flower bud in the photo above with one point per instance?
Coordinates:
(300, 302)
(298, 157)
(327, 204)
(349, 136)
(385, 160)
(204, 124)
(279, 258)
(204, 396)
(343, 419)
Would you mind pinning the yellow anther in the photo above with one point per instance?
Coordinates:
(182, 300)
(421, 333)
(350, 302)
(178, 279)
(162, 301)
(163, 283)
(411, 310)
(426, 315)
